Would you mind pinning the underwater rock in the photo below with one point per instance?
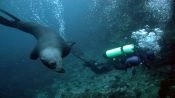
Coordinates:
(167, 87)
(112, 94)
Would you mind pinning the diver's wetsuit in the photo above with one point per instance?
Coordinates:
(92, 64)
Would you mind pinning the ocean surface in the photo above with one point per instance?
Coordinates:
(96, 26)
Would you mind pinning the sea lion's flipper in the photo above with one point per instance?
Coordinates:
(10, 15)
(6, 22)
(34, 54)
(67, 48)
(70, 44)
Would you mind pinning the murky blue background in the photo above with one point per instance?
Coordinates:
(92, 24)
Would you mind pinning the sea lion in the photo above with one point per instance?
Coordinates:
(51, 48)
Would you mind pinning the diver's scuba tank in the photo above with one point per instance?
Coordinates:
(127, 49)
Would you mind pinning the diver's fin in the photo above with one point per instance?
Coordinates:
(34, 54)
(10, 15)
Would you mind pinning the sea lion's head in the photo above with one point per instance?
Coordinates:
(51, 57)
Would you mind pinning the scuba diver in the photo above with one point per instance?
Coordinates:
(142, 52)
(120, 58)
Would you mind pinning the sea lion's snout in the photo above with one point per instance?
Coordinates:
(54, 66)
(52, 59)
(51, 65)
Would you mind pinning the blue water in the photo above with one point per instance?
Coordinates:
(95, 25)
